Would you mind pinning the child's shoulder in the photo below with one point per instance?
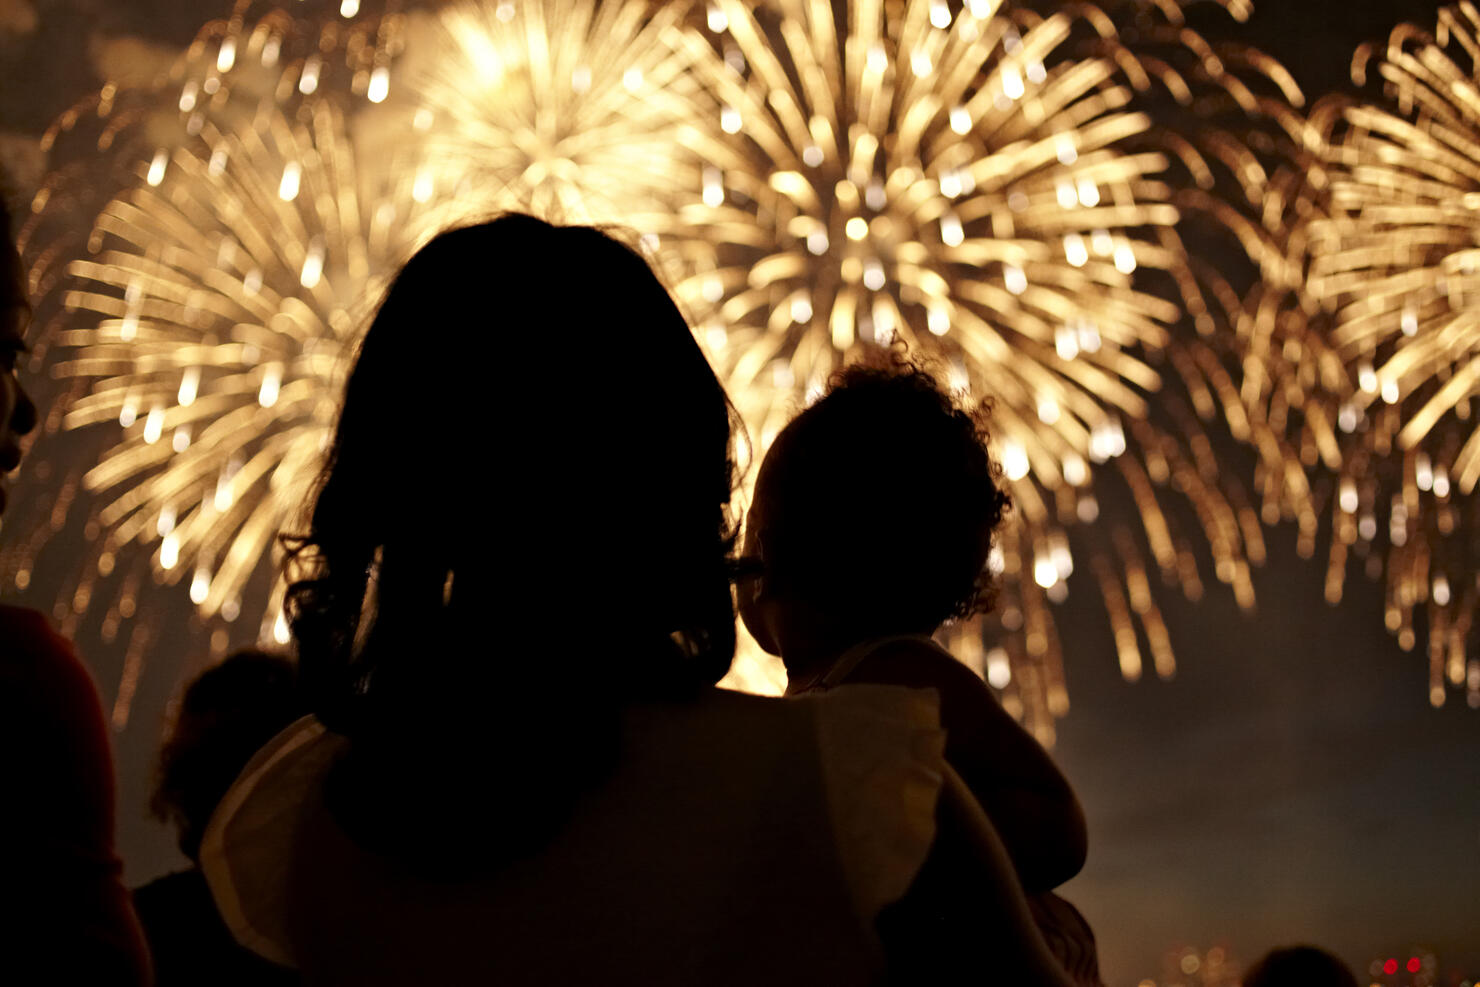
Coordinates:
(921, 663)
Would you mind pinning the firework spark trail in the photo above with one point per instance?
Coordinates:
(231, 292)
(1292, 383)
(1394, 261)
(981, 184)
(231, 246)
(1223, 115)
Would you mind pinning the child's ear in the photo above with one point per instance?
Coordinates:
(765, 558)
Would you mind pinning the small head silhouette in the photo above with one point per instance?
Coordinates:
(227, 714)
(17, 413)
(1299, 966)
(874, 511)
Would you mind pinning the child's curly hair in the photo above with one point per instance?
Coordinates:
(882, 500)
(228, 713)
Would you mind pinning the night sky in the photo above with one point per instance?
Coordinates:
(1291, 784)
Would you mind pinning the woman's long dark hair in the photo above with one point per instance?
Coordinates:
(521, 526)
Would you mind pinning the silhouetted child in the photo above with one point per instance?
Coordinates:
(1299, 966)
(873, 516)
(228, 713)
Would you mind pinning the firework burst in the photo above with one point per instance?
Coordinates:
(978, 183)
(903, 177)
(231, 246)
(562, 108)
(1394, 260)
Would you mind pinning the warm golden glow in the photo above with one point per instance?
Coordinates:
(563, 108)
(226, 314)
(861, 196)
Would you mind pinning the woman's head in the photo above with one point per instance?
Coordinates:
(874, 510)
(531, 447)
(520, 526)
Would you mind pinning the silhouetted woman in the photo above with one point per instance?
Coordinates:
(512, 603)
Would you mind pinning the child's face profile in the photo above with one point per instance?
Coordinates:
(757, 605)
(17, 413)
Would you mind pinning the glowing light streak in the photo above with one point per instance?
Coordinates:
(563, 108)
(250, 303)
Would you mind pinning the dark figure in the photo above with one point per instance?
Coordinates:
(228, 713)
(873, 516)
(17, 412)
(511, 604)
(1299, 966)
(70, 920)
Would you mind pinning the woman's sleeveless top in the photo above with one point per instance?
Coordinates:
(741, 840)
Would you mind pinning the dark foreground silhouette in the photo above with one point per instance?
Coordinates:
(70, 919)
(1299, 966)
(226, 715)
(511, 602)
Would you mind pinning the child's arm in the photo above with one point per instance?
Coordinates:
(966, 907)
(1026, 796)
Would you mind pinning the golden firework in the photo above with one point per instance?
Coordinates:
(229, 247)
(1395, 262)
(978, 183)
(1228, 119)
(562, 108)
(902, 177)
(229, 290)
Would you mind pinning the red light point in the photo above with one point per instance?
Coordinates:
(1390, 967)
(1413, 964)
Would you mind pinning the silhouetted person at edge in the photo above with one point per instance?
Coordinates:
(511, 603)
(873, 516)
(227, 714)
(69, 920)
(1299, 966)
